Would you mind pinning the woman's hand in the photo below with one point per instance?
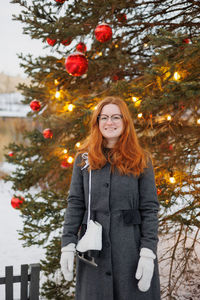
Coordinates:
(67, 261)
(145, 269)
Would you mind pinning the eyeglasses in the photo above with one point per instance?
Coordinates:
(114, 118)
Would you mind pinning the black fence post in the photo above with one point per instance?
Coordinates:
(9, 283)
(24, 282)
(34, 281)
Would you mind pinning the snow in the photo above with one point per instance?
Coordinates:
(11, 105)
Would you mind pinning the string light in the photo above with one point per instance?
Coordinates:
(135, 99)
(78, 144)
(176, 76)
(139, 115)
(168, 118)
(198, 121)
(70, 160)
(70, 107)
(65, 151)
(116, 46)
(172, 179)
(57, 94)
(56, 82)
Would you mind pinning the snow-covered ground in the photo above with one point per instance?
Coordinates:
(12, 253)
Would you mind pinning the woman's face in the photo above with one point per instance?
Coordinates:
(111, 123)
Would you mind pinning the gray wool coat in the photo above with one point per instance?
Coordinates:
(127, 208)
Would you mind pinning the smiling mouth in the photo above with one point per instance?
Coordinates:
(111, 129)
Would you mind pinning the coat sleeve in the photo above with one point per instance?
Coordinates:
(148, 206)
(76, 206)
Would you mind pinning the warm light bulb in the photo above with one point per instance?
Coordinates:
(137, 103)
(70, 160)
(139, 115)
(172, 179)
(135, 99)
(56, 82)
(116, 46)
(145, 45)
(57, 94)
(169, 117)
(70, 107)
(177, 76)
(78, 144)
(198, 121)
(100, 53)
(65, 151)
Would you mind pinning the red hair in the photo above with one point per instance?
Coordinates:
(127, 154)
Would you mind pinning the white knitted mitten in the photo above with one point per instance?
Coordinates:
(67, 261)
(145, 269)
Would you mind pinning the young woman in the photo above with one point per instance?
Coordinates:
(123, 201)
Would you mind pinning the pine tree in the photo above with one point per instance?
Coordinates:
(152, 62)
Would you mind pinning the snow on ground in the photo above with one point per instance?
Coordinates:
(12, 253)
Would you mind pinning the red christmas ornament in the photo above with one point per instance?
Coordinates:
(65, 164)
(66, 42)
(81, 47)
(76, 64)
(159, 191)
(103, 33)
(187, 41)
(115, 77)
(11, 153)
(51, 42)
(47, 133)
(121, 18)
(35, 105)
(60, 1)
(16, 202)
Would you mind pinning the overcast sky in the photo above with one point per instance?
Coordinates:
(13, 41)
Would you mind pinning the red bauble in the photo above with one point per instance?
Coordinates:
(11, 153)
(115, 77)
(81, 47)
(17, 201)
(35, 105)
(47, 133)
(65, 164)
(60, 1)
(51, 42)
(187, 41)
(159, 191)
(76, 64)
(103, 33)
(121, 18)
(67, 42)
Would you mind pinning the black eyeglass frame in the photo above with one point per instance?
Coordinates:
(121, 116)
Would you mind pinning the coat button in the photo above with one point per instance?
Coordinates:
(106, 184)
(108, 273)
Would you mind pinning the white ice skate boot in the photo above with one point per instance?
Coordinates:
(92, 239)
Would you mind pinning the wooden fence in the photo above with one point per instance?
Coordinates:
(29, 280)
